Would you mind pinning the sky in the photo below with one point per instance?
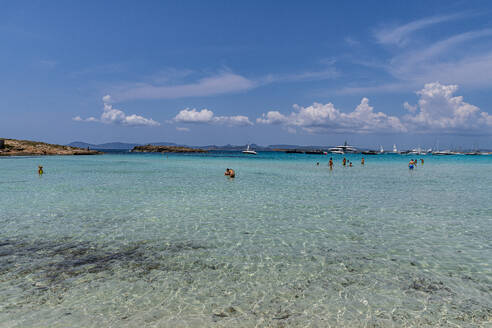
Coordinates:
(411, 73)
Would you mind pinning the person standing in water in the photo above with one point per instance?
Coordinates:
(362, 161)
(421, 161)
(230, 172)
(344, 161)
(330, 163)
(40, 170)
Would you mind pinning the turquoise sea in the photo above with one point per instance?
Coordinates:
(149, 240)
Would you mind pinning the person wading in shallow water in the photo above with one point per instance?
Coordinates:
(331, 163)
(40, 170)
(230, 173)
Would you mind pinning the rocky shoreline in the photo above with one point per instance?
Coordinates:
(166, 149)
(13, 147)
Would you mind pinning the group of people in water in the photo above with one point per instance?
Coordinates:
(344, 162)
(413, 163)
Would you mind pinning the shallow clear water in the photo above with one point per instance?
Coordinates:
(150, 240)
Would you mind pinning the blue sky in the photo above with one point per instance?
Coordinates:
(195, 72)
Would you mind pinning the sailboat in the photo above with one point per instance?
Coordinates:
(395, 150)
(249, 151)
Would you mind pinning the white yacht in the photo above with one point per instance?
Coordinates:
(417, 151)
(343, 149)
(249, 151)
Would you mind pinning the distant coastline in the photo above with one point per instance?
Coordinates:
(165, 149)
(13, 147)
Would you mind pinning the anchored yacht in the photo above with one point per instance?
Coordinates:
(343, 149)
(249, 151)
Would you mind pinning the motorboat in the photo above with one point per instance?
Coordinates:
(442, 152)
(249, 151)
(343, 149)
(417, 151)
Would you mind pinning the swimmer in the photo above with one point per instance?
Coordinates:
(40, 170)
(317, 163)
(344, 161)
(362, 161)
(350, 164)
(230, 173)
(331, 163)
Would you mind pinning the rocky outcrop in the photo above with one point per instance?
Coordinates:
(165, 149)
(13, 147)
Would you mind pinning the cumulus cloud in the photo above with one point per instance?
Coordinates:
(207, 117)
(107, 99)
(438, 109)
(410, 108)
(112, 115)
(322, 118)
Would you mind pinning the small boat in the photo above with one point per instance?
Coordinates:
(370, 152)
(316, 152)
(249, 151)
(395, 150)
(381, 150)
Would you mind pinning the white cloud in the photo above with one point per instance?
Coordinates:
(169, 84)
(464, 58)
(410, 108)
(323, 118)
(438, 110)
(89, 119)
(112, 115)
(194, 116)
(225, 82)
(399, 35)
(272, 117)
(324, 74)
(207, 116)
(107, 99)
(182, 129)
